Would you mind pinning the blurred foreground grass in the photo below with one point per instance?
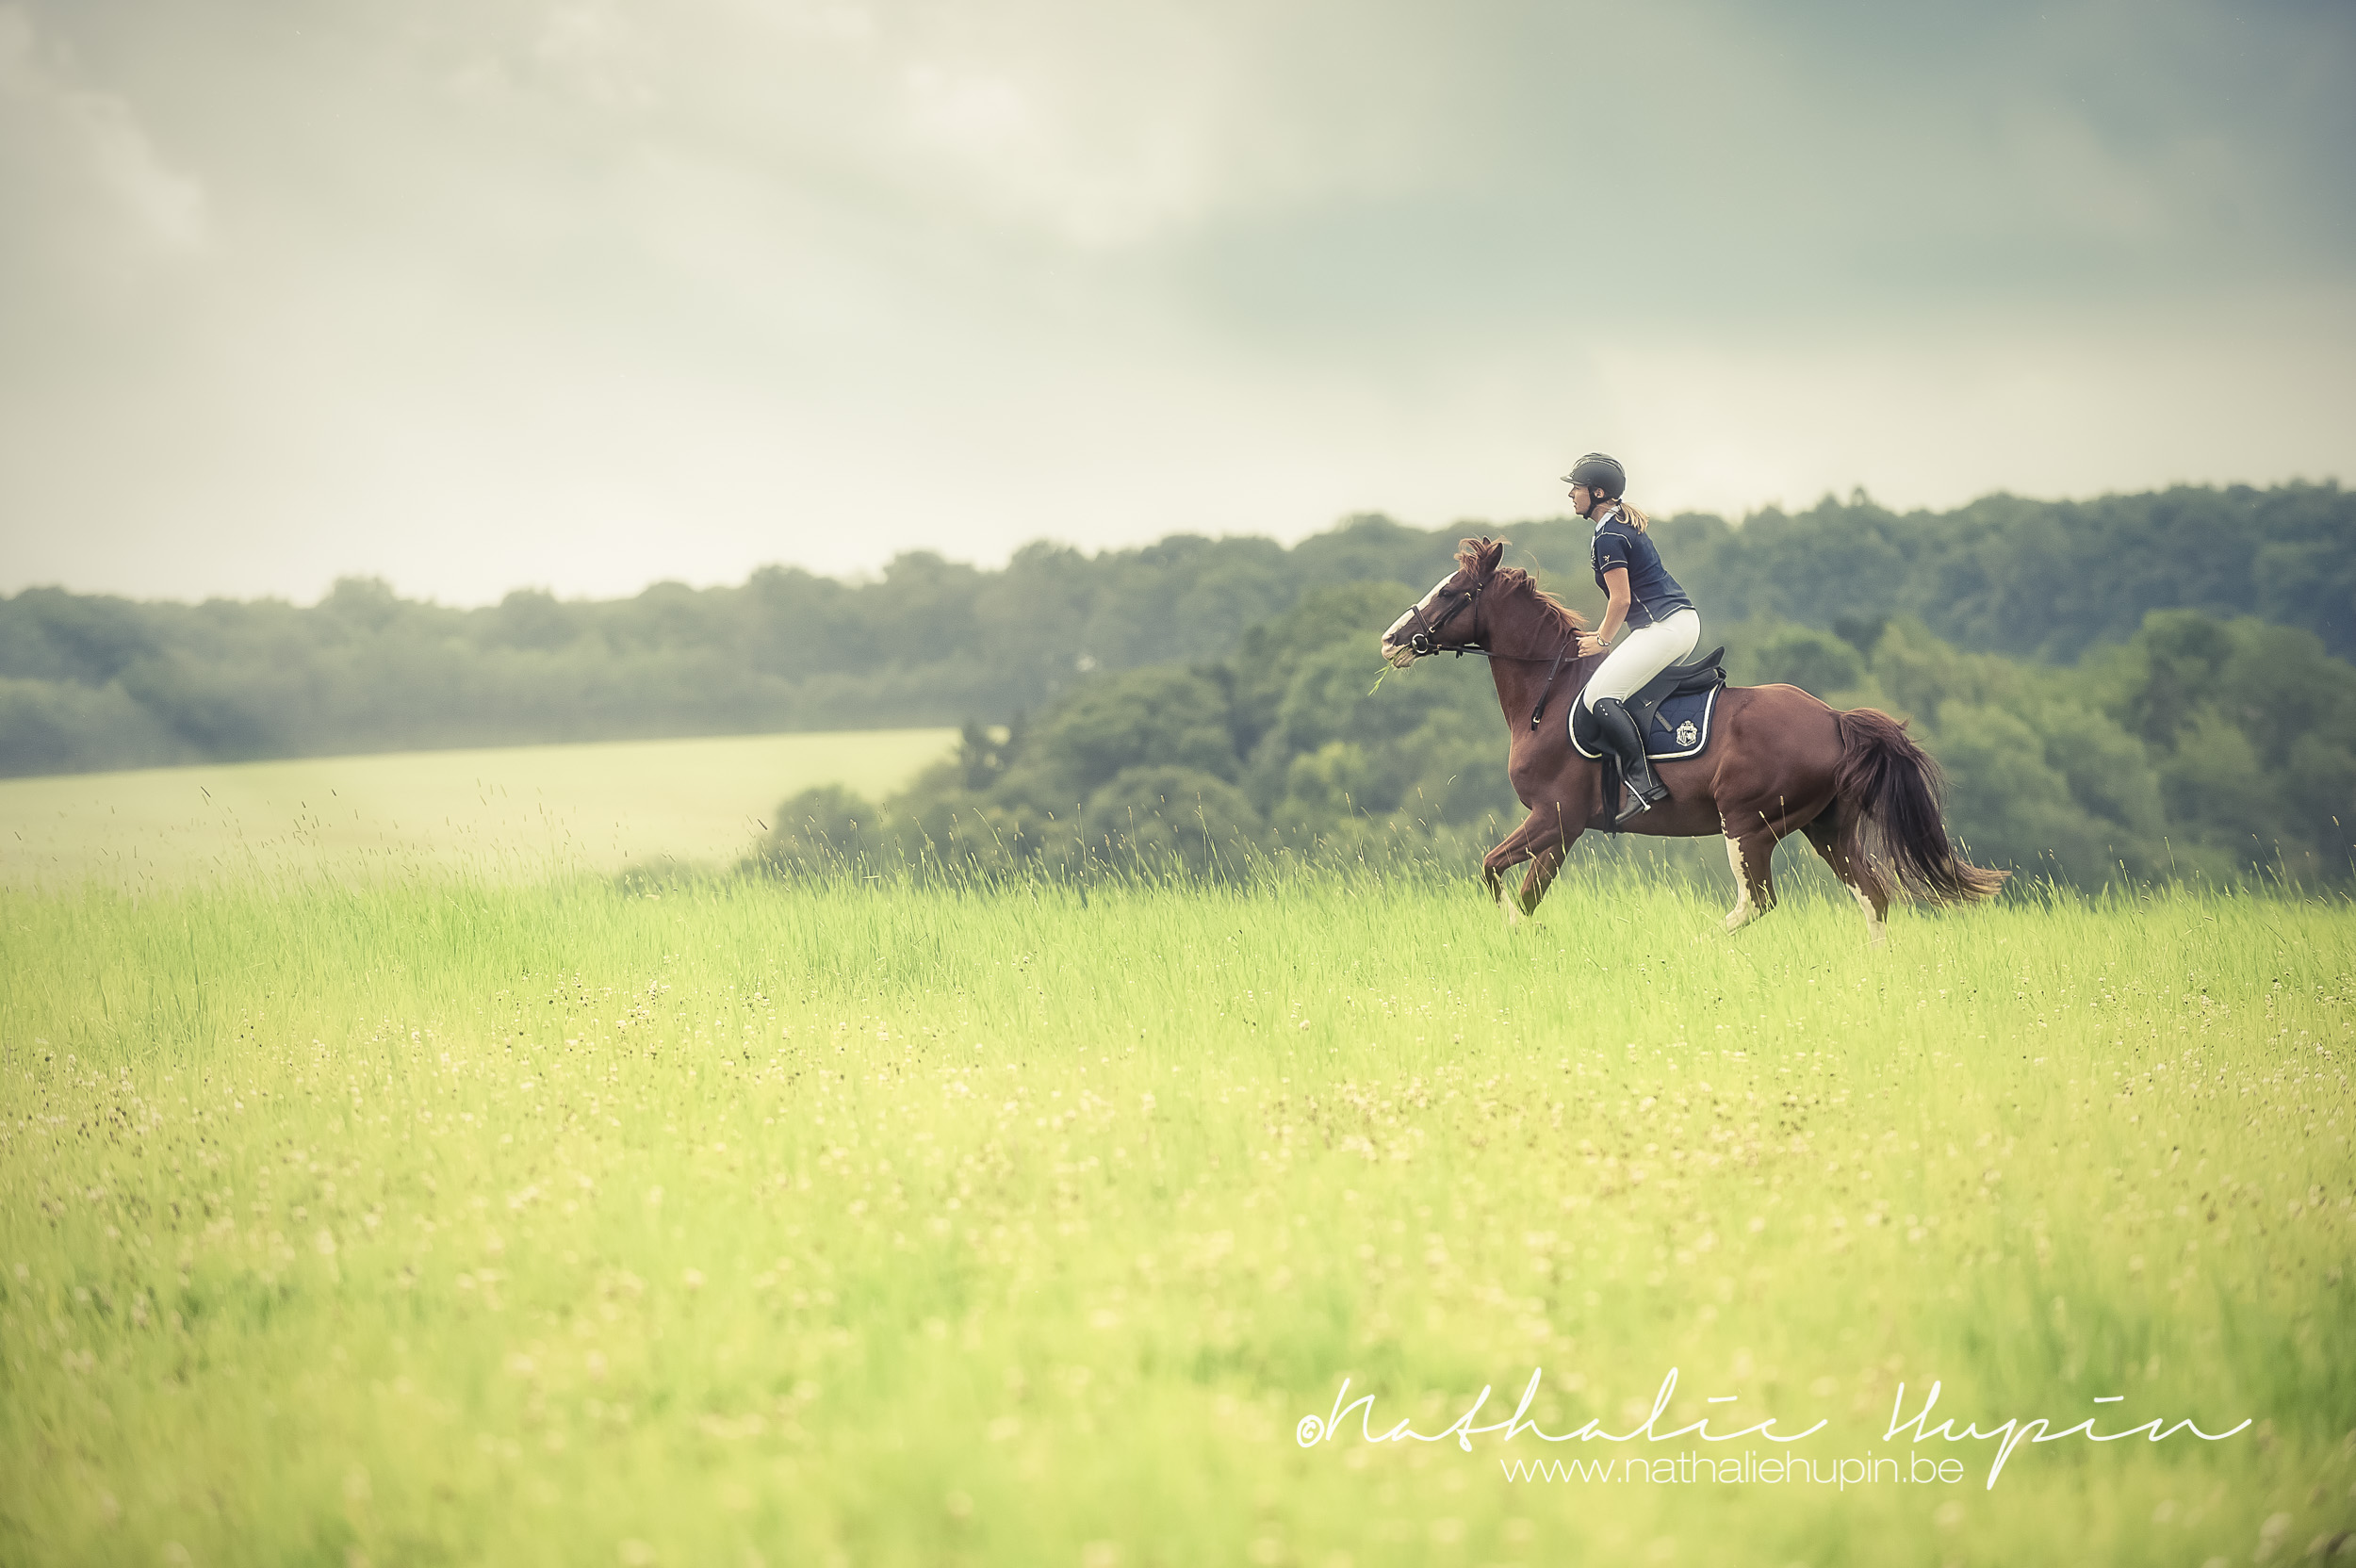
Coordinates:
(457, 1222)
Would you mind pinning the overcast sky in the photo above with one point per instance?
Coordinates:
(474, 294)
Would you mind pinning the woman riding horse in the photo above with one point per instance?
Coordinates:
(1776, 762)
(1662, 625)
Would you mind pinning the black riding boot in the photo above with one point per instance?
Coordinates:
(1618, 729)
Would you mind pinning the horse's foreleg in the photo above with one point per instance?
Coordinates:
(1540, 877)
(1542, 840)
(1511, 851)
(1494, 864)
(1563, 831)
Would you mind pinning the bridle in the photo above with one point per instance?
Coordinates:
(1426, 640)
(1427, 636)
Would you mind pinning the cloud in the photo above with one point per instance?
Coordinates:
(78, 168)
(476, 292)
(2050, 406)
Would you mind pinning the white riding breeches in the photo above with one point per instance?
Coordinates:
(1642, 653)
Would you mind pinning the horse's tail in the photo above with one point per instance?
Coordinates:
(1891, 786)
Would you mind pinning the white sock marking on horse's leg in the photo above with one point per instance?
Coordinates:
(1873, 927)
(1742, 913)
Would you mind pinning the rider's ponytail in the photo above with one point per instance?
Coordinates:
(1636, 519)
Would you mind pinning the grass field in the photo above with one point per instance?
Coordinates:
(521, 809)
(455, 1220)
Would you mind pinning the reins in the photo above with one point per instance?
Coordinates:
(1552, 670)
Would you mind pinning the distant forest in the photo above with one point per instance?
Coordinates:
(90, 683)
(2220, 749)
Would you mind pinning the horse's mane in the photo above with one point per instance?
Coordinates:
(1512, 579)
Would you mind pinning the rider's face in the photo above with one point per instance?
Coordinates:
(1582, 499)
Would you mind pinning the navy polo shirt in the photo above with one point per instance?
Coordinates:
(1653, 593)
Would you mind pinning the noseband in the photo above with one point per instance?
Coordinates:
(1425, 638)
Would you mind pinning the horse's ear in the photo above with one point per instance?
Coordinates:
(1486, 558)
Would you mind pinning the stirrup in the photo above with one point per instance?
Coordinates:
(1639, 802)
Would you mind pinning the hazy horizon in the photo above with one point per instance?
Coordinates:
(583, 296)
(859, 573)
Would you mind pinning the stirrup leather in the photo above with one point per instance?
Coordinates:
(1618, 727)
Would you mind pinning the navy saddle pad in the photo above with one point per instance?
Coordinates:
(1675, 709)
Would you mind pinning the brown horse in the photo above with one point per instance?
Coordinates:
(1779, 762)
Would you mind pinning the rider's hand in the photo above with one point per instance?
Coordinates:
(1589, 643)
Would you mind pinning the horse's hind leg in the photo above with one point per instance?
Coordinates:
(1836, 841)
(1752, 855)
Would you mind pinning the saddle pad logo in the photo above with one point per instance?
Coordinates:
(1688, 734)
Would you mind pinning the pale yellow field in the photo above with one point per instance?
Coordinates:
(597, 807)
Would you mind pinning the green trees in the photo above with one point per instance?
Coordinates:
(1226, 682)
(2038, 580)
(1282, 745)
(96, 683)
(2199, 747)
(2251, 731)
(2221, 749)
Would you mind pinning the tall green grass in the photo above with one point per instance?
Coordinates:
(441, 1220)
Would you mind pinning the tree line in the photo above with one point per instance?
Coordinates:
(2198, 747)
(89, 682)
(2211, 738)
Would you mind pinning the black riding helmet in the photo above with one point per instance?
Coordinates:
(1600, 473)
